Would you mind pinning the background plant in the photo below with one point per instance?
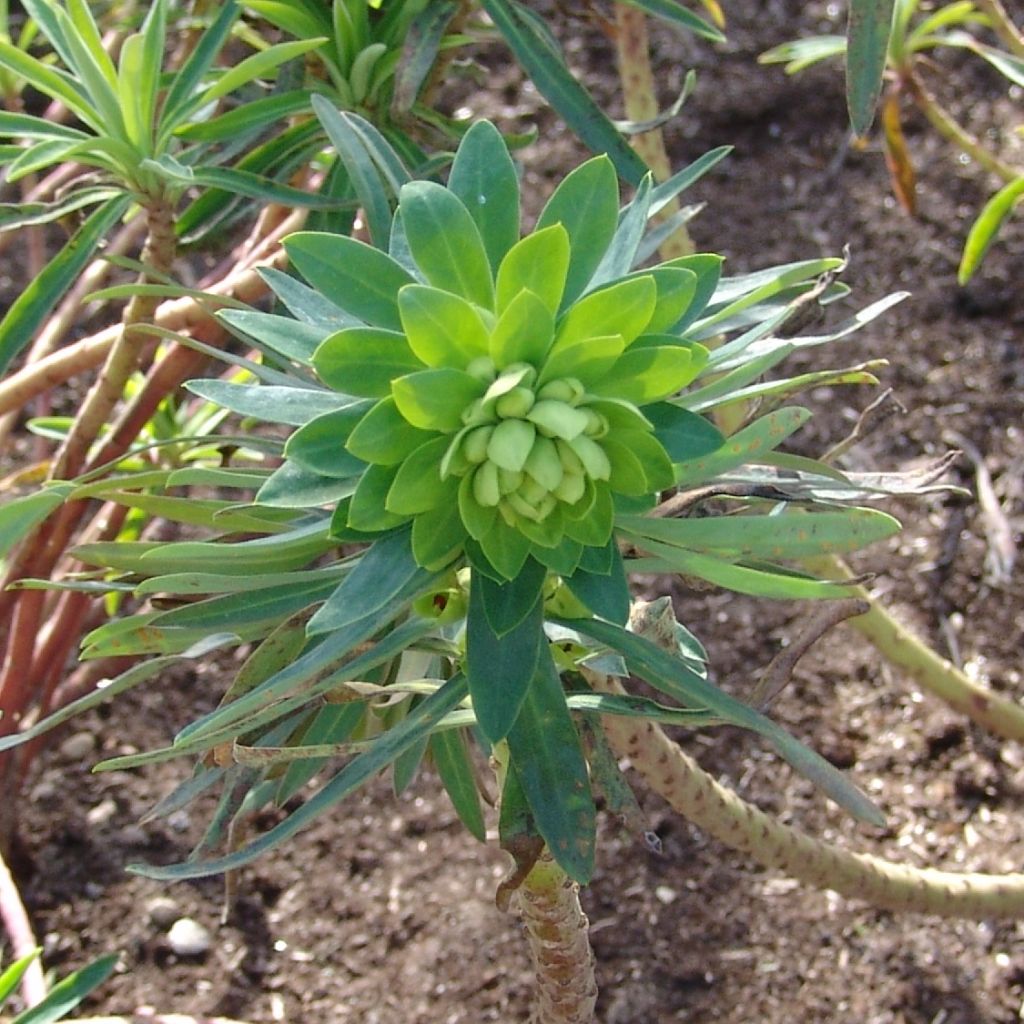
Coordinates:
(909, 53)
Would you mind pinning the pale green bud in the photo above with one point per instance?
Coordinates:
(565, 389)
(485, 485)
(515, 404)
(571, 488)
(509, 481)
(474, 444)
(532, 491)
(510, 444)
(482, 368)
(571, 462)
(597, 425)
(557, 419)
(592, 455)
(523, 508)
(543, 463)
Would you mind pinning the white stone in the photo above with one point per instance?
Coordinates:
(188, 937)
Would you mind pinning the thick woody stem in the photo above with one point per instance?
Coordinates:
(23, 941)
(693, 793)
(901, 648)
(557, 932)
(640, 98)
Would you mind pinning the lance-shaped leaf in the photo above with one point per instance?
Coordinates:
(867, 32)
(547, 758)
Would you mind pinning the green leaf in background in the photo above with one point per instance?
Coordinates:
(547, 758)
(452, 760)
(500, 668)
(319, 445)
(676, 14)
(31, 308)
(868, 29)
(484, 177)
(69, 992)
(984, 230)
(539, 56)
(18, 516)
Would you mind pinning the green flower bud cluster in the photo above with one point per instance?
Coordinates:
(515, 399)
(528, 448)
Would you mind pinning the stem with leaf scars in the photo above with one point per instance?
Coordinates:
(693, 793)
(23, 941)
(640, 99)
(557, 932)
(901, 648)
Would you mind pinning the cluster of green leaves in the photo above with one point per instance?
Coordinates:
(63, 997)
(405, 645)
(899, 39)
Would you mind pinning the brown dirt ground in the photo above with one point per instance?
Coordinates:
(385, 912)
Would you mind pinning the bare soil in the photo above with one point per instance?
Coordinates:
(385, 913)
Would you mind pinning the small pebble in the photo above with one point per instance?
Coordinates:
(133, 835)
(188, 937)
(45, 793)
(162, 911)
(78, 746)
(101, 813)
(666, 895)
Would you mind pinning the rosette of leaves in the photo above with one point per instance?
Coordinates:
(400, 603)
(504, 411)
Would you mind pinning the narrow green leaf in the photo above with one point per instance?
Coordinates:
(547, 758)
(254, 66)
(539, 56)
(420, 722)
(684, 435)
(746, 445)
(267, 402)
(19, 515)
(384, 572)
(867, 32)
(70, 991)
(586, 204)
(508, 604)
(676, 14)
(293, 486)
(356, 277)
(31, 308)
(451, 759)
(500, 668)
(673, 677)
(984, 230)
(484, 177)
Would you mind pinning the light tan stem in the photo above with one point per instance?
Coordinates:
(557, 932)
(176, 315)
(640, 98)
(950, 129)
(901, 648)
(1003, 26)
(126, 352)
(19, 931)
(70, 309)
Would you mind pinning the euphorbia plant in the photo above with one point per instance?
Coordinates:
(488, 427)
